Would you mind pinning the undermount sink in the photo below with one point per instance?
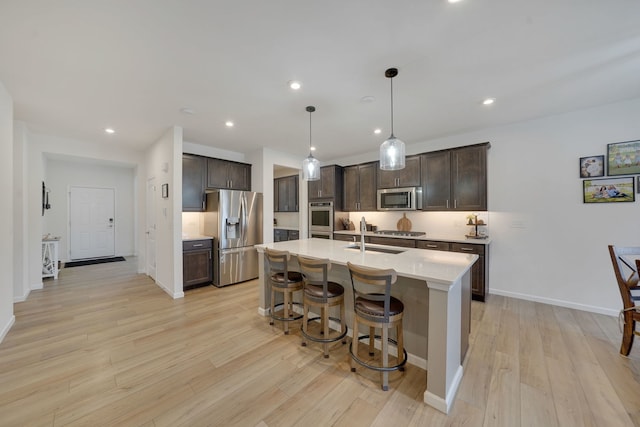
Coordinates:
(377, 249)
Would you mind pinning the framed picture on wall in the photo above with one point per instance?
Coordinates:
(609, 190)
(592, 166)
(623, 158)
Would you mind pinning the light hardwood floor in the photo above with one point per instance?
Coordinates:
(104, 346)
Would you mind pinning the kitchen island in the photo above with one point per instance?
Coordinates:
(435, 288)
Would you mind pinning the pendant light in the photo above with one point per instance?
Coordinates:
(392, 150)
(310, 165)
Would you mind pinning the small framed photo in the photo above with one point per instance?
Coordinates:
(609, 190)
(592, 166)
(623, 158)
(165, 191)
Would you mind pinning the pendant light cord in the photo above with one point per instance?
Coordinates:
(391, 106)
(310, 132)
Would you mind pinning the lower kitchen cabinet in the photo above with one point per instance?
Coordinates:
(197, 265)
(479, 271)
(281, 235)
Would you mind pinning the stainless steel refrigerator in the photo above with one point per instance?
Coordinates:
(234, 220)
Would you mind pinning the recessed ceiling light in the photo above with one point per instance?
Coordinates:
(109, 130)
(228, 124)
(377, 131)
(367, 99)
(488, 101)
(313, 148)
(454, 1)
(295, 85)
(187, 110)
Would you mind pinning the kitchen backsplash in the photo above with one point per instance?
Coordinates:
(438, 224)
(191, 223)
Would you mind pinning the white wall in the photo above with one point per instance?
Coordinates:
(263, 161)
(164, 165)
(6, 213)
(547, 245)
(20, 198)
(64, 173)
(41, 146)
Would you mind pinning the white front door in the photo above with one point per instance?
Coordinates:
(151, 228)
(91, 222)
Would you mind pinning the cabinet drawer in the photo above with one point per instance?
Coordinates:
(467, 248)
(190, 245)
(405, 243)
(429, 244)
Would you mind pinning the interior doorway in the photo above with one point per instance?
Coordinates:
(151, 228)
(91, 222)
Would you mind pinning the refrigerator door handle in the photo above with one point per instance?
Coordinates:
(243, 218)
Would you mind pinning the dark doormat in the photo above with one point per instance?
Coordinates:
(93, 261)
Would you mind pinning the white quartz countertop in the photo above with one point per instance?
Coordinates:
(454, 239)
(435, 266)
(195, 237)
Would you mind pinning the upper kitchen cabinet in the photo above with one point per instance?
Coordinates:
(360, 187)
(407, 177)
(455, 179)
(328, 187)
(193, 182)
(285, 193)
(229, 175)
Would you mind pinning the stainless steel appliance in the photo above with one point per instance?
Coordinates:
(400, 233)
(321, 220)
(234, 219)
(400, 199)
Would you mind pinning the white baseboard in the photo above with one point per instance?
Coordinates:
(444, 405)
(6, 328)
(36, 286)
(22, 298)
(560, 303)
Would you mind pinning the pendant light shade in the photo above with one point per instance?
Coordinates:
(310, 165)
(392, 156)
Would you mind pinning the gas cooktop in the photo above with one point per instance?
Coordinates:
(400, 233)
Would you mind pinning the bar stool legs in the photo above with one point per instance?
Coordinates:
(285, 282)
(377, 311)
(320, 293)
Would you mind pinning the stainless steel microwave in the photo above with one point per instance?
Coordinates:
(400, 199)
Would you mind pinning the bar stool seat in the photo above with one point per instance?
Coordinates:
(323, 294)
(378, 310)
(285, 282)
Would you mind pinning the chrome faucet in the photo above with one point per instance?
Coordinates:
(363, 228)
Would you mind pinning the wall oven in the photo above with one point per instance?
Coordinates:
(321, 220)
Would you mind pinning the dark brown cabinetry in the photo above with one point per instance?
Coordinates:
(360, 187)
(227, 174)
(479, 271)
(197, 267)
(405, 243)
(285, 194)
(193, 182)
(407, 177)
(281, 235)
(345, 237)
(455, 179)
(328, 187)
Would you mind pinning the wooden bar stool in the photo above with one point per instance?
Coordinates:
(375, 307)
(319, 292)
(285, 282)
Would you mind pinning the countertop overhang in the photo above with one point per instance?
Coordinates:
(432, 266)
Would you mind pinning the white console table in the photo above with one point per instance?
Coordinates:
(50, 257)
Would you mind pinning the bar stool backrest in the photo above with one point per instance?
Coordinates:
(315, 272)
(278, 262)
(365, 280)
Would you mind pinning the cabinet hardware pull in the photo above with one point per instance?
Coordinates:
(447, 203)
(432, 246)
(198, 245)
(466, 249)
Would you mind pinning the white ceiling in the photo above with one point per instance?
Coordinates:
(76, 67)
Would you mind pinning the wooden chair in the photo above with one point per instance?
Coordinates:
(285, 282)
(623, 259)
(375, 307)
(323, 294)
